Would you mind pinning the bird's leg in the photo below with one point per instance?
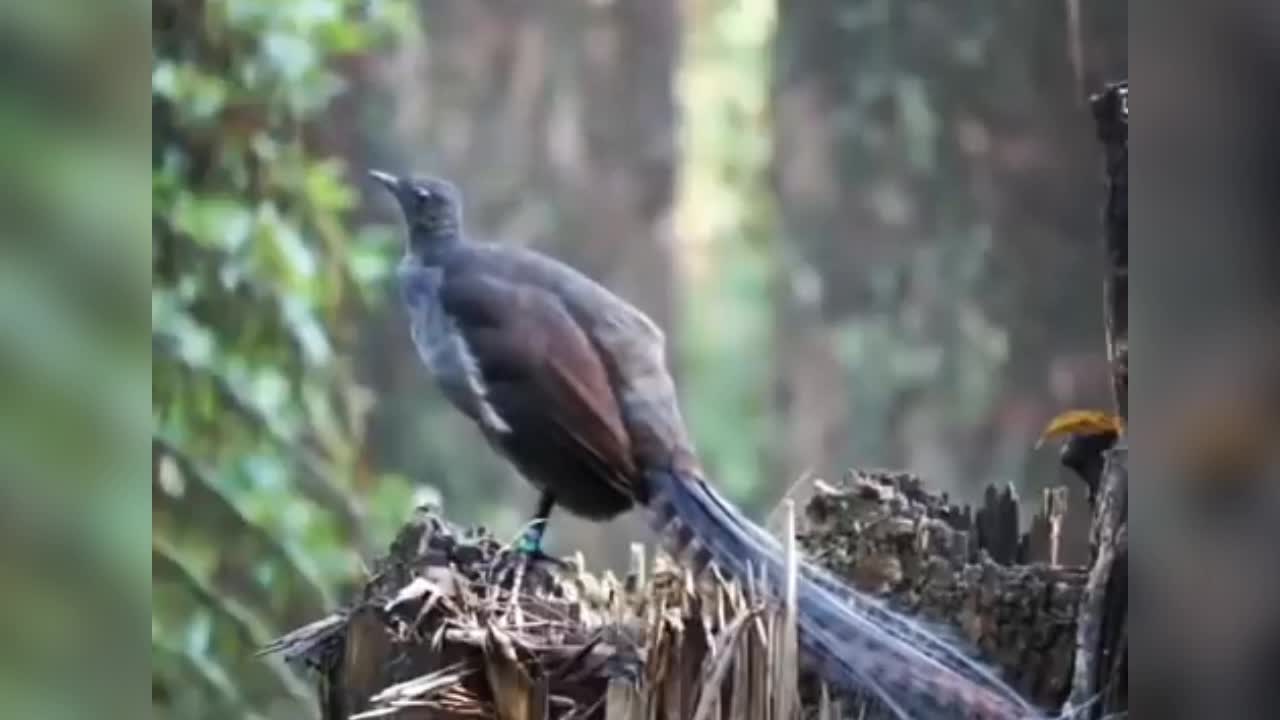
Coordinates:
(530, 543)
(528, 547)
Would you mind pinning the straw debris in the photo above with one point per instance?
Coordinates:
(435, 635)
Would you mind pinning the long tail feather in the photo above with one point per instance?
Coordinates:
(855, 641)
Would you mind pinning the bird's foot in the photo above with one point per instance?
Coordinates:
(526, 561)
(530, 549)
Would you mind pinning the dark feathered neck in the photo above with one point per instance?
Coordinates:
(431, 242)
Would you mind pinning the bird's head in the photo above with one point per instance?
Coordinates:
(1089, 434)
(432, 207)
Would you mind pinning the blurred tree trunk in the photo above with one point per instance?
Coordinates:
(811, 395)
(936, 179)
(557, 120)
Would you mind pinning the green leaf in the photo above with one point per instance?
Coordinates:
(211, 626)
(223, 545)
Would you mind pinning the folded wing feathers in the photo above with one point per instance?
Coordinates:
(554, 383)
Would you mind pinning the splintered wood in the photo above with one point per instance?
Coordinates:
(436, 636)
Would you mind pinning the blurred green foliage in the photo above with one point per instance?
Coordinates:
(262, 499)
(727, 210)
(73, 383)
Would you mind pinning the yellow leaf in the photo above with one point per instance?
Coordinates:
(1080, 422)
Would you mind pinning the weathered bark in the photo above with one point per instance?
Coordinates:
(1102, 654)
(888, 536)
(1111, 112)
(1101, 646)
(996, 525)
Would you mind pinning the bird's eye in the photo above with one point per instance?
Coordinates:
(422, 193)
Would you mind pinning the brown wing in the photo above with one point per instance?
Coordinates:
(545, 380)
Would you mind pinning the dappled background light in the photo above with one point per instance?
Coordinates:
(869, 228)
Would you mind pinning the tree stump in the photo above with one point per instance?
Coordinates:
(432, 634)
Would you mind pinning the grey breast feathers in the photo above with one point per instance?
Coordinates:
(442, 348)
